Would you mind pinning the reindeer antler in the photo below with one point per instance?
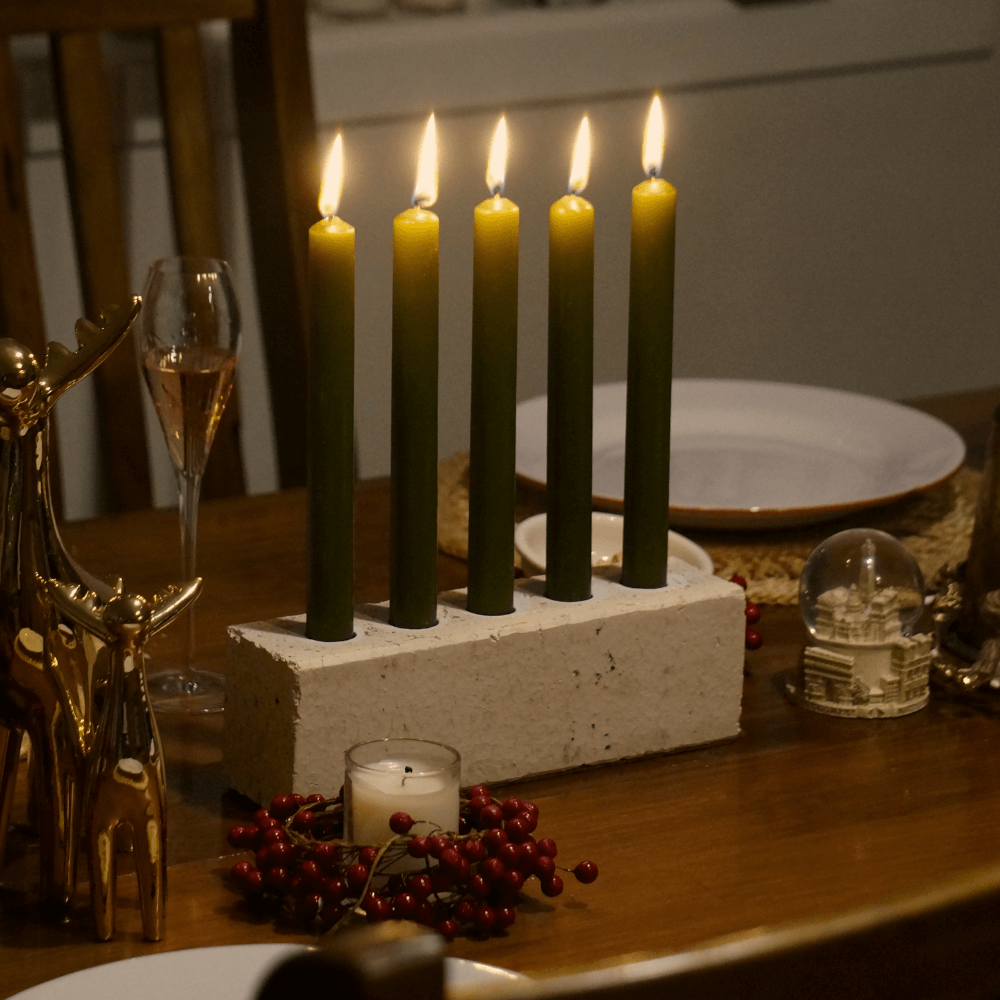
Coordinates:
(80, 606)
(85, 609)
(64, 368)
(168, 604)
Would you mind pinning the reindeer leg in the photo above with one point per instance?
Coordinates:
(10, 751)
(151, 869)
(57, 787)
(56, 769)
(103, 866)
(71, 816)
(46, 794)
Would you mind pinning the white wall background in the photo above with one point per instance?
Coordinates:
(838, 168)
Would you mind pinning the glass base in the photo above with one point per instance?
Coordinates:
(196, 692)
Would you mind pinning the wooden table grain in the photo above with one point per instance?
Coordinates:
(801, 815)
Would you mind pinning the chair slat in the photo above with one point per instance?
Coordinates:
(19, 17)
(281, 172)
(194, 197)
(92, 175)
(20, 299)
(189, 141)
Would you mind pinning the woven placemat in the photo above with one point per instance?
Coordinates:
(934, 525)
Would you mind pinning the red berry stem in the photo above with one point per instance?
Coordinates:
(374, 867)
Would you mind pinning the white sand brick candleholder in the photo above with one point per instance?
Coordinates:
(550, 687)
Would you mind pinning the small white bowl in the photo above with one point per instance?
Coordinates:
(606, 543)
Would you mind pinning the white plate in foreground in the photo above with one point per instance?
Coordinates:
(763, 454)
(231, 972)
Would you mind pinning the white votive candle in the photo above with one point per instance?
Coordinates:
(417, 777)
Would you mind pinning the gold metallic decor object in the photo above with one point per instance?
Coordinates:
(982, 569)
(967, 605)
(976, 683)
(125, 784)
(70, 672)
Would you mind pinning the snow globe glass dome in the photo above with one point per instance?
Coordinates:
(862, 594)
(861, 586)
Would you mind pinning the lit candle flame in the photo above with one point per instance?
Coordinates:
(654, 139)
(496, 169)
(425, 191)
(579, 173)
(333, 180)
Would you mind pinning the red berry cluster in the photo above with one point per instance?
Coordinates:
(303, 865)
(753, 640)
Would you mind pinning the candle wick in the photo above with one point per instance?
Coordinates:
(497, 191)
(407, 770)
(652, 172)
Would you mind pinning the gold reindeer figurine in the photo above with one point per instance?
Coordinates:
(47, 691)
(125, 784)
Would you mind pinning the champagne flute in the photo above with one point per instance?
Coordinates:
(187, 339)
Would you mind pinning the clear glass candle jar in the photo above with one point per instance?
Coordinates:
(417, 777)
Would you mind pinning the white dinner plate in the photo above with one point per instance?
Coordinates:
(763, 454)
(232, 972)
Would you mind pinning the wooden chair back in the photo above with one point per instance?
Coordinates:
(274, 98)
(940, 943)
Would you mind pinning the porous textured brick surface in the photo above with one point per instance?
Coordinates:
(550, 687)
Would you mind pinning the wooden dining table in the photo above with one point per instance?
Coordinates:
(801, 815)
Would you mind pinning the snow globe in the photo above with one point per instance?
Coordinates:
(861, 594)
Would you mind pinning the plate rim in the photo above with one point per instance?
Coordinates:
(277, 947)
(819, 511)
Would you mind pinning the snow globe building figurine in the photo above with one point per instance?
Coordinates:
(861, 595)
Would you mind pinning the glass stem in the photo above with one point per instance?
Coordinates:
(190, 490)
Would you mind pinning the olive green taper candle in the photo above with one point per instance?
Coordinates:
(569, 472)
(330, 401)
(646, 525)
(413, 513)
(494, 394)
